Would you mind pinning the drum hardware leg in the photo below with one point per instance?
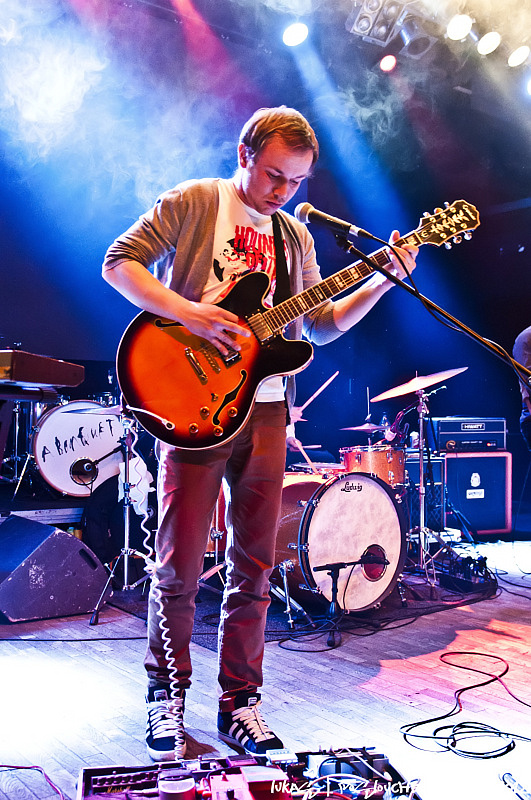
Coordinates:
(216, 535)
(401, 591)
(284, 595)
(215, 569)
(22, 474)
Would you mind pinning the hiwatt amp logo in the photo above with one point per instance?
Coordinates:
(472, 426)
(475, 492)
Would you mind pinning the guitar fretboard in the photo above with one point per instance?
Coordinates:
(289, 310)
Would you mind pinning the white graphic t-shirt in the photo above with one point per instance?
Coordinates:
(243, 243)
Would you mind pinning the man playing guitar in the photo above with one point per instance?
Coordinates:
(200, 238)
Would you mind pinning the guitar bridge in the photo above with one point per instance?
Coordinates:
(196, 366)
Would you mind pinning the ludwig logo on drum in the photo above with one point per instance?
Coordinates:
(349, 486)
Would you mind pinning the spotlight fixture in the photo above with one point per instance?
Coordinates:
(295, 34)
(375, 20)
(417, 41)
(519, 56)
(459, 27)
(488, 43)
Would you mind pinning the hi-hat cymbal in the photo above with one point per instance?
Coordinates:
(418, 383)
(367, 427)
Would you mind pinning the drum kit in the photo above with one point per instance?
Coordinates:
(343, 533)
(74, 445)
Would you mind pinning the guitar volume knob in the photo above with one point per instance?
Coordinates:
(193, 428)
(218, 431)
(232, 412)
(204, 411)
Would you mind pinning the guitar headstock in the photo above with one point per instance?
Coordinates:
(453, 223)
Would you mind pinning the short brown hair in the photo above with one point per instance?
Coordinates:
(288, 123)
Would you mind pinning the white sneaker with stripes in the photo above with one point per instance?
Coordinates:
(245, 727)
(165, 737)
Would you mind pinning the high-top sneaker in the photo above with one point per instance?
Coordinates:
(165, 737)
(245, 726)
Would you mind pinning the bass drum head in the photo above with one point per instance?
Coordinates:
(352, 518)
(77, 447)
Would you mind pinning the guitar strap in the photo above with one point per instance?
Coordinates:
(282, 287)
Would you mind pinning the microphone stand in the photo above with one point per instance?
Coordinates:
(126, 552)
(335, 612)
(523, 373)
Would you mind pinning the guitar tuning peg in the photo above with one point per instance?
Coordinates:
(426, 214)
(448, 245)
(457, 239)
(446, 204)
(437, 210)
(467, 236)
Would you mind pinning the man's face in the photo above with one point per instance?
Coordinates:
(268, 181)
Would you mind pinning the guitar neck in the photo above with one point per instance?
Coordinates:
(278, 317)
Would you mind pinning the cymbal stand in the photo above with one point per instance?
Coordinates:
(126, 552)
(216, 535)
(425, 559)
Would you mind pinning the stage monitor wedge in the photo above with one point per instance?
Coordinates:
(46, 572)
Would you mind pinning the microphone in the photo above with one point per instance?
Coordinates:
(306, 213)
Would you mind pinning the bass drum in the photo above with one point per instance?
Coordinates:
(349, 518)
(77, 446)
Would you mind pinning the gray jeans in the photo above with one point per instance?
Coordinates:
(188, 486)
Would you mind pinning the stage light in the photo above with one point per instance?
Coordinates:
(416, 40)
(459, 27)
(528, 87)
(375, 20)
(519, 56)
(387, 63)
(488, 43)
(295, 34)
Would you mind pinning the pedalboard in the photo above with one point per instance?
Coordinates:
(278, 775)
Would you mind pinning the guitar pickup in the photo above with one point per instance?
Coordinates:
(232, 357)
(196, 366)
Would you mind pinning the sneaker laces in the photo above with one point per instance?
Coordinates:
(166, 718)
(251, 718)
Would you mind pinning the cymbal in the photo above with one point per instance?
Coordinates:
(418, 383)
(367, 427)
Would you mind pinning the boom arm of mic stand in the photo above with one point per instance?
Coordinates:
(523, 372)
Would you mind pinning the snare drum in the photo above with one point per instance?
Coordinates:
(349, 518)
(77, 447)
(383, 461)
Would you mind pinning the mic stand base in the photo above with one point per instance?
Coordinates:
(124, 554)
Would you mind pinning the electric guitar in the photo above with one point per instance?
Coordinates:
(183, 391)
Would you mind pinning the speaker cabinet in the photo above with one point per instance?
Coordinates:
(479, 486)
(434, 485)
(46, 572)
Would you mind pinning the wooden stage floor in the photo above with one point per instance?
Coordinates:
(72, 696)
